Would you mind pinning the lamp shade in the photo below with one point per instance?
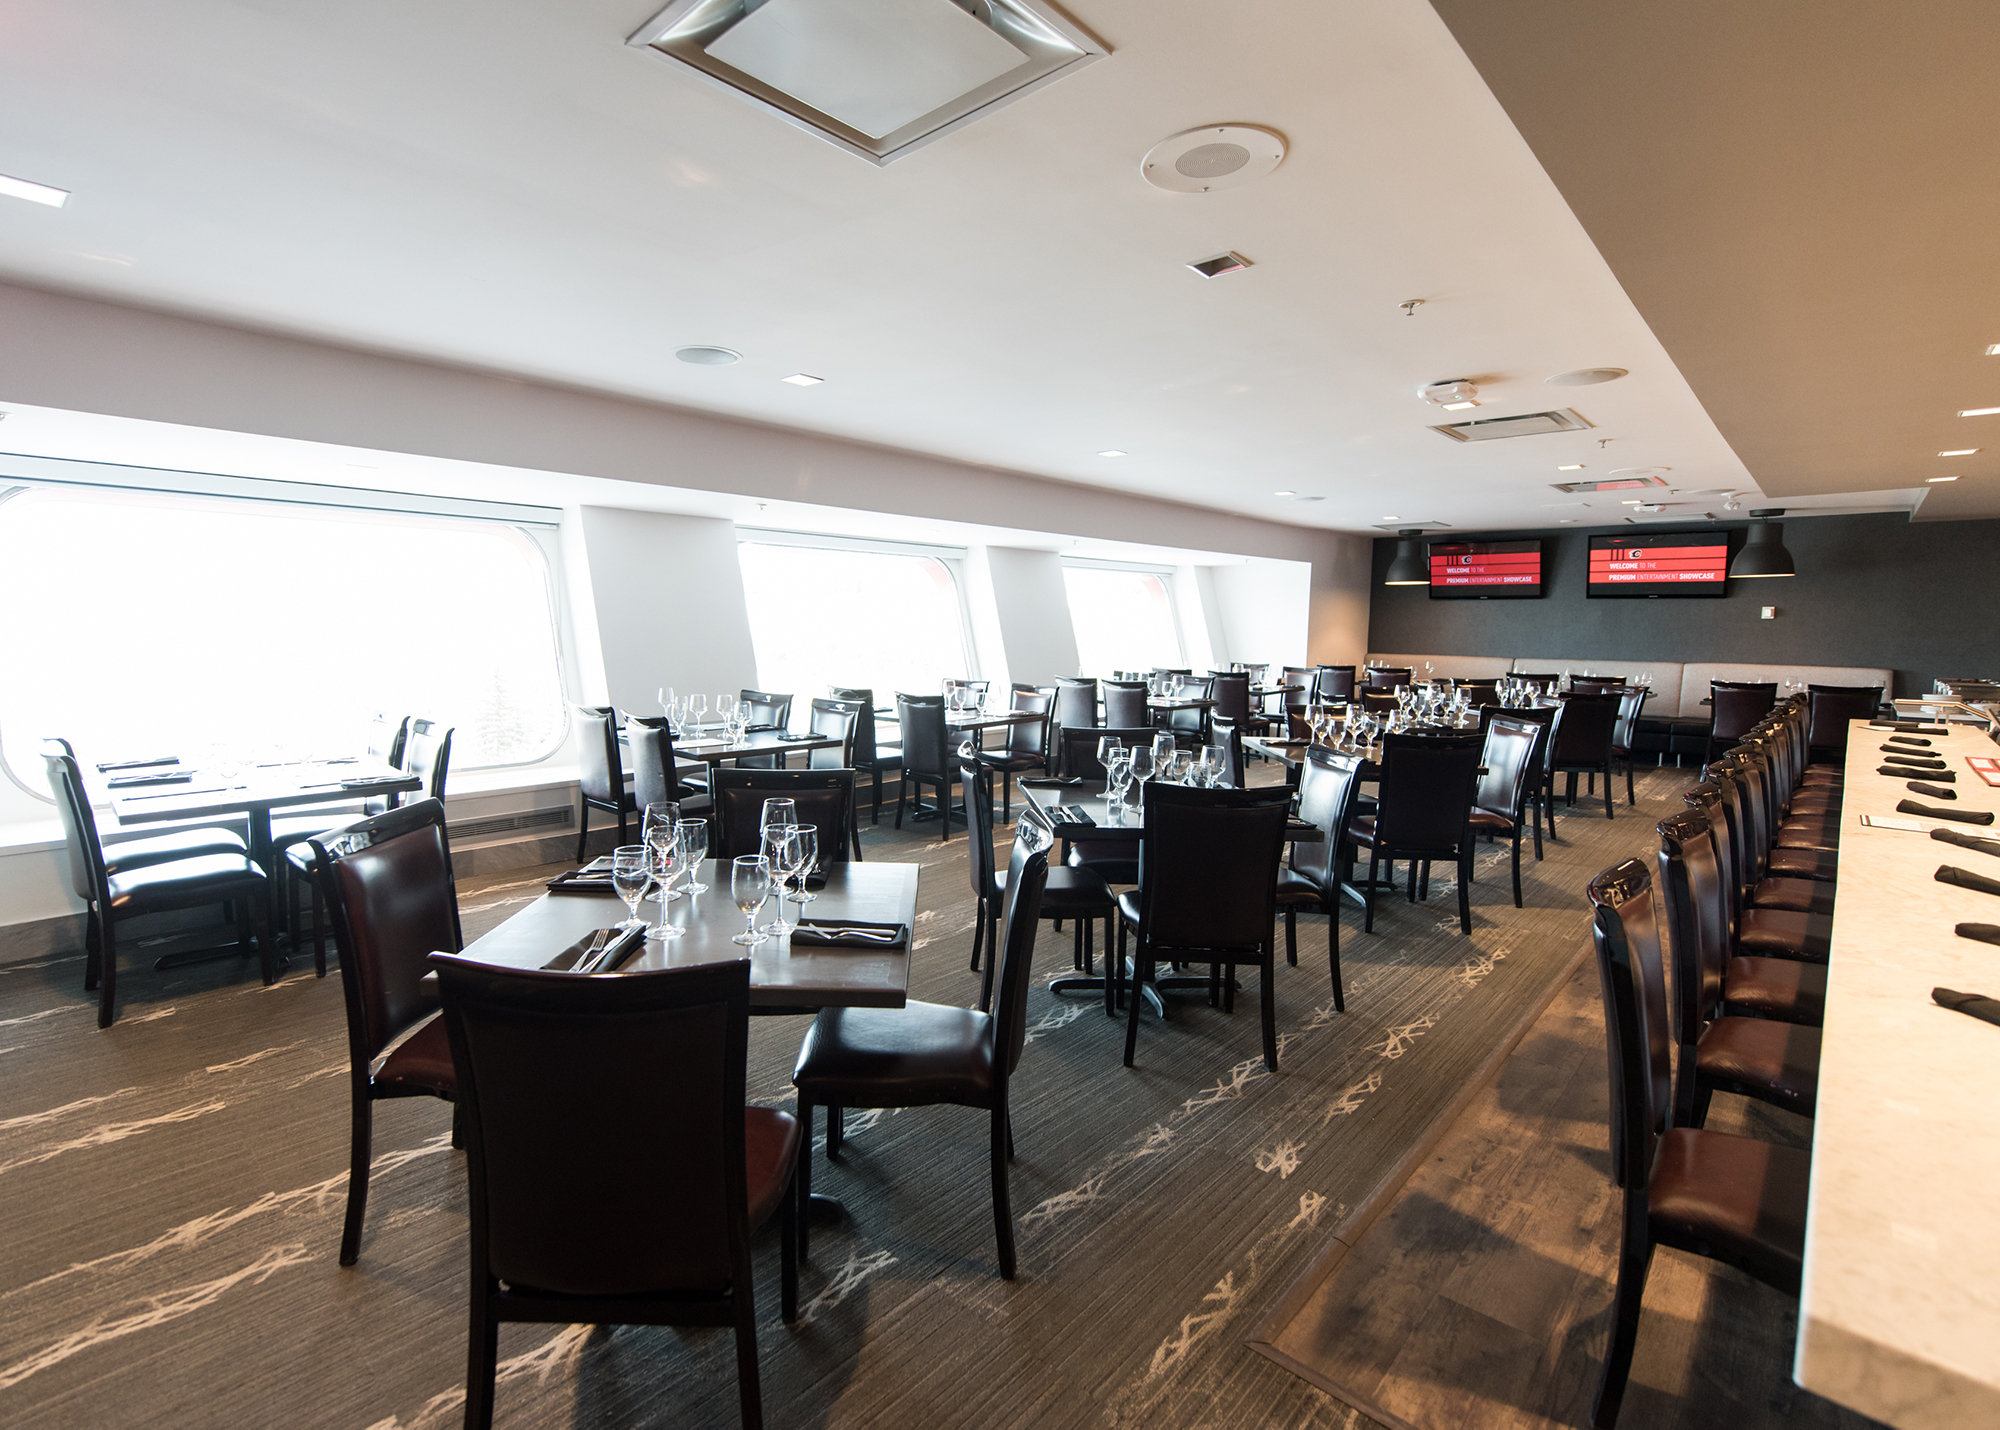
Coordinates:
(1764, 553)
(1409, 568)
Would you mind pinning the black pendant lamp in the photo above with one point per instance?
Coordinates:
(1764, 553)
(1409, 568)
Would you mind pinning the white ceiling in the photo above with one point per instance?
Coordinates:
(507, 184)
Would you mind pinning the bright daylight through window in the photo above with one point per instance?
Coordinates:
(826, 616)
(1124, 620)
(142, 625)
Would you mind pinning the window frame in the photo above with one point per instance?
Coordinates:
(1168, 578)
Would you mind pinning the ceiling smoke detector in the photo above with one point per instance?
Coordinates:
(1453, 394)
(1215, 156)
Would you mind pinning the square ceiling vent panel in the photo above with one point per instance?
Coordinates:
(879, 78)
(1528, 424)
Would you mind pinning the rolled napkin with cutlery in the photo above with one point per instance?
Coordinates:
(139, 781)
(1985, 933)
(1973, 1005)
(1899, 759)
(1903, 772)
(1908, 740)
(1934, 791)
(1967, 841)
(1925, 811)
(1966, 879)
(848, 933)
(112, 765)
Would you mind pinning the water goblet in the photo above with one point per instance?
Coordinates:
(749, 886)
(1216, 757)
(694, 844)
(1106, 744)
(669, 864)
(1163, 750)
(667, 702)
(780, 850)
(777, 810)
(631, 873)
(697, 709)
(658, 829)
(1143, 764)
(806, 844)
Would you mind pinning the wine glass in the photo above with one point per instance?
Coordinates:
(805, 842)
(780, 849)
(694, 844)
(1143, 764)
(1118, 778)
(631, 873)
(669, 864)
(725, 709)
(697, 709)
(1216, 757)
(1106, 746)
(667, 702)
(749, 886)
(658, 830)
(1163, 750)
(777, 810)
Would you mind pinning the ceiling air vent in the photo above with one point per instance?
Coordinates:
(1528, 424)
(1615, 484)
(878, 78)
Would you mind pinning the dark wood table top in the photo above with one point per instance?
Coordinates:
(992, 720)
(221, 787)
(780, 976)
(1090, 795)
(711, 749)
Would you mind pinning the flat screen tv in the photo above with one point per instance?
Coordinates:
(1485, 570)
(1659, 563)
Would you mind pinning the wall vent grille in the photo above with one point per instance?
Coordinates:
(564, 818)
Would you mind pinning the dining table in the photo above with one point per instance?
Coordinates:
(711, 746)
(1899, 1313)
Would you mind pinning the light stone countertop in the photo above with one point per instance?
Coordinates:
(1899, 1315)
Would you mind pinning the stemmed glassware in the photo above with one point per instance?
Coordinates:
(805, 843)
(694, 848)
(1163, 751)
(1216, 758)
(1142, 764)
(631, 874)
(667, 702)
(1107, 745)
(1118, 777)
(749, 886)
(669, 866)
(781, 857)
(777, 810)
(697, 709)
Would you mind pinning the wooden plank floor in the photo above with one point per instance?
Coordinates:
(1481, 1295)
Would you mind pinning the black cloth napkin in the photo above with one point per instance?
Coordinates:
(1903, 772)
(1973, 1005)
(1897, 758)
(849, 933)
(1934, 791)
(138, 781)
(1908, 740)
(1985, 933)
(1925, 811)
(1967, 841)
(616, 949)
(1966, 879)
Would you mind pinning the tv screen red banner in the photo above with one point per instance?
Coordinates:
(1483, 570)
(1678, 564)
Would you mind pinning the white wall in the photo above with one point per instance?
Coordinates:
(1261, 608)
(1031, 615)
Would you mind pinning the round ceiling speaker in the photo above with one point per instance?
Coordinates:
(709, 357)
(1586, 376)
(1216, 156)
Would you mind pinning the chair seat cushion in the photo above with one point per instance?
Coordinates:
(1774, 1062)
(1781, 988)
(896, 1057)
(1821, 834)
(1295, 888)
(420, 1064)
(1068, 892)
(1799, 896)
(1487, 819)
(1010, 759)
(291, 829)
(1128, 907)
(181, 844)
(1116, 861)
(185, 883)
(770, 1150)
(1362, 829)
(1781, 933)
(1804, 864)
(1736, 1199)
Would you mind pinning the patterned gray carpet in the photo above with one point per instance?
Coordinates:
(173, 1191)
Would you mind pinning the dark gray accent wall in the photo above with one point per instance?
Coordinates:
(1920, 598)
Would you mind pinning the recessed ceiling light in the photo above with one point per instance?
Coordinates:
(1392, 518)
(1572, 467)
(1979, 412)
(1586, 376)
(1631, 502)
(1567, 521)
(1308, 498)
(1458, 406)
(709, 357)
(1960, 452)
(33, 193)
(1293, 494)
(1936, 480)
(1114, 452)
(1220, 264)
(1993, 350)
(803, 379)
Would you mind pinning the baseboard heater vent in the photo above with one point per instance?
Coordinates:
(564, 818)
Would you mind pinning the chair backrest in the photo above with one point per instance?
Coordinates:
(1194, 720)
(764, 708)
(388, 888)
(1426, 789)
(1625, 929)
(1328, 785)
(1231, 692)
(1079, 748)
(864, 721)
(1631, 705)
(1030, 739)
(1020, 917)
(583, 1097)
(825, 799)
(1377, 701)
(926, 740)
(86, 853)
(1481, 692)
(428, 754)
(386, 734)
(978, 827)
(1304, 679)
(600, 768)
(1076, 703)
(1388, 677)
(1229, 734)
(1333, 683)
(1719, 803)
(1509, 757)
(1833, 706)
(1592, 685)
(651, 745)
(1583, 730)
(1735, 706)
(1125, 703)
(1208, 865)
(1691, 874)
(834, 719)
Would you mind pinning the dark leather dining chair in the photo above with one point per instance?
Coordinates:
(1231, 692)
(824, 799)
(1229, 735)
(1079, 748)
(1116, 860)
(1833, 706)
(656, 776)
(1424, 807)
(120, 888)
(615, 1174)
(1333, 684)
(1388, 677)
(1501, 802)
(1543, 718)
(1190, 726)
(1304, 679)
(1080, 894)
(388, 888)
(833, 720)
(1736, 1200)
(1734, 707)
(1075, 709)
(1207, 893)
(1027, 746)
(178, 843)
(927, 1054)
(1328, 785)
(1377, 700)
(869, 758)
(766, 711)
(928, 757)
(600, 771)
(1625, 732)
(1580, 742)
(1480, 692)
(1125, 703)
